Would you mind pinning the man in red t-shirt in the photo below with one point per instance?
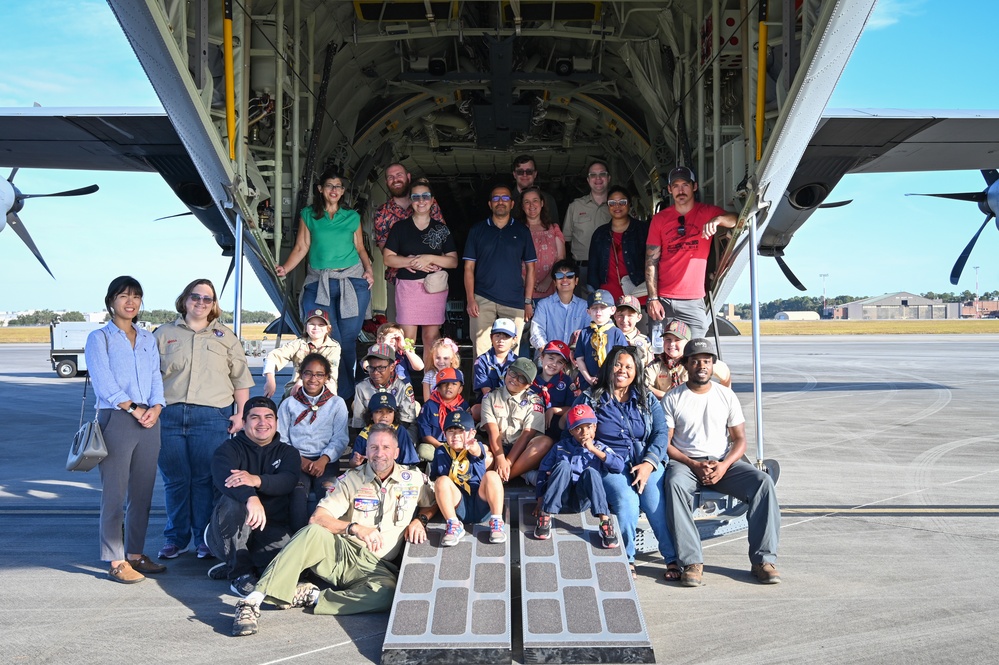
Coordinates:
(676, 255)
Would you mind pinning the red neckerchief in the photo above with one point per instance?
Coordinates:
(446, 408)
(299, 395)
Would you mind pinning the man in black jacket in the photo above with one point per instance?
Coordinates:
(255, 473)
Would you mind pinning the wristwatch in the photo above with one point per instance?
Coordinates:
(528, 301)
(350, 528)
(423, 519)
(132, 407)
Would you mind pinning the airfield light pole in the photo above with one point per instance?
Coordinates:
(757, 375)
(978, 314)
(823, 275)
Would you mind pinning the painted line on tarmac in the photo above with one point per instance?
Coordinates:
(904, 511)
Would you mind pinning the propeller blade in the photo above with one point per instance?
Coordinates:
(179, 214)
(232, 266)
(955, 274)
(836, 204)
(14, 222)
(990, 175)
(795, 282)
(13, 172)
(72, 192)
(976, 197)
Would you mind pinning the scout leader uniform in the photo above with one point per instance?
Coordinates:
(513, 413)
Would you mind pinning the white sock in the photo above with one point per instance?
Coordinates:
(496, 517)
(255, 598)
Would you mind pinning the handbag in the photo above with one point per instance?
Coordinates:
(88, 447)
(628, 287)
(435, 282)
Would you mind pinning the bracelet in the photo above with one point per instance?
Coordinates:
(350, 528)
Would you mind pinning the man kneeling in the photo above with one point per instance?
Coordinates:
(699, 415)
(350, 541)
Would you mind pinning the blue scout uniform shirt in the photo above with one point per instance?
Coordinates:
(470, 470)
(584, 348)
(498, 254)
(556, 392)
(403, 368)
(407, 451)
(579, 458)
(619, 424)
(429, 421)
(488, 372)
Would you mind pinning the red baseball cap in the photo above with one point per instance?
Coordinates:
(559, 347)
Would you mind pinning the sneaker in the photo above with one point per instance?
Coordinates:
(607, 535)
(692, 574)
(497, 534)
(543, 531)
(243, 585)
(245, 621)
(170, 551)
(766, 573)
(125, 574)
(455, 530)
(204, 552)
(219, 571)
(147, 566)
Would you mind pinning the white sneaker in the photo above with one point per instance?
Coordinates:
(454, 533)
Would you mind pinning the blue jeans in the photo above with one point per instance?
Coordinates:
(189, 436)
(344, 330)
(625, 503)
(562, 494)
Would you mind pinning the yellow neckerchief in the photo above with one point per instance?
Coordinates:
(599, 341)
(460, 468)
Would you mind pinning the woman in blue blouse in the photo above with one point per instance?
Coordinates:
(339, 275)
(124, 366)
(631, 421)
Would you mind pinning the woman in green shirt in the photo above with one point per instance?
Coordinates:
(339, 275)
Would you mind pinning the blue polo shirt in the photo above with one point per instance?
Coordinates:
(584, 347)
(498, 254)
(488, 372)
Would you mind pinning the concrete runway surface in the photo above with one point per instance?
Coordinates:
(890, 460)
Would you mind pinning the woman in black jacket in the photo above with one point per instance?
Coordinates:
(617, 250)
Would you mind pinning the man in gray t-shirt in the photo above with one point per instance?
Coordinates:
(707, 440)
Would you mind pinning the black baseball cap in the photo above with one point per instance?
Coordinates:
(681, 173)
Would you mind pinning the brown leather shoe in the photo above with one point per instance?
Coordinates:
(766, 573)
(147, 566)
(692, 575)
(125, 574)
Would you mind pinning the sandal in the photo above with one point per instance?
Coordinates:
(673, 572)
(634, 573)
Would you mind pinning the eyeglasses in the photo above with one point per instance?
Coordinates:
(516, 376)
(208, 300)
(333, 187)
(597, 174)
(504, 198)
(313, 375)
(682, 229)
(524, 172)
(620, 202)
(565, 275)
(426, 196)
(378, 368)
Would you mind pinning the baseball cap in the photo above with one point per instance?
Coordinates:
(259, 401)
(505, 326)
(601, 298)
(631, 302)
(681, 173)
(699, 345)
(462, 419)
(580, 415)
(381, 400)
(677, 328)
(525, 367)
(559, 347)
(450, 375)
(318, 314)
(382, 351)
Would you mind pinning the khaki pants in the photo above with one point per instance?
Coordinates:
(364, 583)
(481, 326)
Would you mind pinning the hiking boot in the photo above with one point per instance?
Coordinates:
(125, 574)
(306, 595)
(243, 585)
(146, 566)
(219, 571)
(543, 531)
(607, 535)
(496, 530)
(692, 574)
(170, 551)
(455, 530)
(245, 621)
(766, 573)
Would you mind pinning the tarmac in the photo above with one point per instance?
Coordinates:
(890, 528)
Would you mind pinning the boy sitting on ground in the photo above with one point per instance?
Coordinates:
(594, 342)
(465, 491)
(570, 478)
(444, 400)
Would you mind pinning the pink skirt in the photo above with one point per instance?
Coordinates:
(415, 307)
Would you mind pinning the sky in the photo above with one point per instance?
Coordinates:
(928, 54)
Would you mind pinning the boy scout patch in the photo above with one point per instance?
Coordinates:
(539, 408)
(219, 333)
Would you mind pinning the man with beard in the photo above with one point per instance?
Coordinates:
(702, 417)
(525, 172)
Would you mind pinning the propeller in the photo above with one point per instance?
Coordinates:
(988, 203)
(179, 214)
(778, 254)
(12, 201)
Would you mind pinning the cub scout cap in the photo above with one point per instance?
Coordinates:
(559, 347)
(461, 419)
(600, 298)
(450, 375)
(505, 326)
(678, 329)
(318, 314)
(580, 415)
(699, 345)
(681, 173)
(381, 351)
(381, 400)
(525, 367)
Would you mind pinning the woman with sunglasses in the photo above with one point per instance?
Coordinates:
(549, 243)
(417, 247)
(617, 250)
(206, 381)
(339, 278)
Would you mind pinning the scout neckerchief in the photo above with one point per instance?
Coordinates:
(300, 396)
(599, 341)
(675, 368)
(446, 407)
(460, 472)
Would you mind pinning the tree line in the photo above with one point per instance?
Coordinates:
(814, 303)
(43, 317)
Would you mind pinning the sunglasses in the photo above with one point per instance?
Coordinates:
(426, 196)
(504, 198)
(620, 202)
(564, 275)
(208, 300)
(597, 174)
(682, 229)
(524, 172)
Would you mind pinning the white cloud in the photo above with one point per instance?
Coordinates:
(889, 12)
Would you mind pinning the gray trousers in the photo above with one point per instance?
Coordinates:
(244, 550)
(743, 481)
(691, 312)
(128, 474)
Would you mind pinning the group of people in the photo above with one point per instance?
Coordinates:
(596, 418)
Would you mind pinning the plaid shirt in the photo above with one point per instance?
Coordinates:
(387, 215)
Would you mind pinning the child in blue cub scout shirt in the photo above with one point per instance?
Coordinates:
(445, 399)
(570, 478)
(490, 367)
(594, 342)
(554, 385)
(465, 491)
(382, 411)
